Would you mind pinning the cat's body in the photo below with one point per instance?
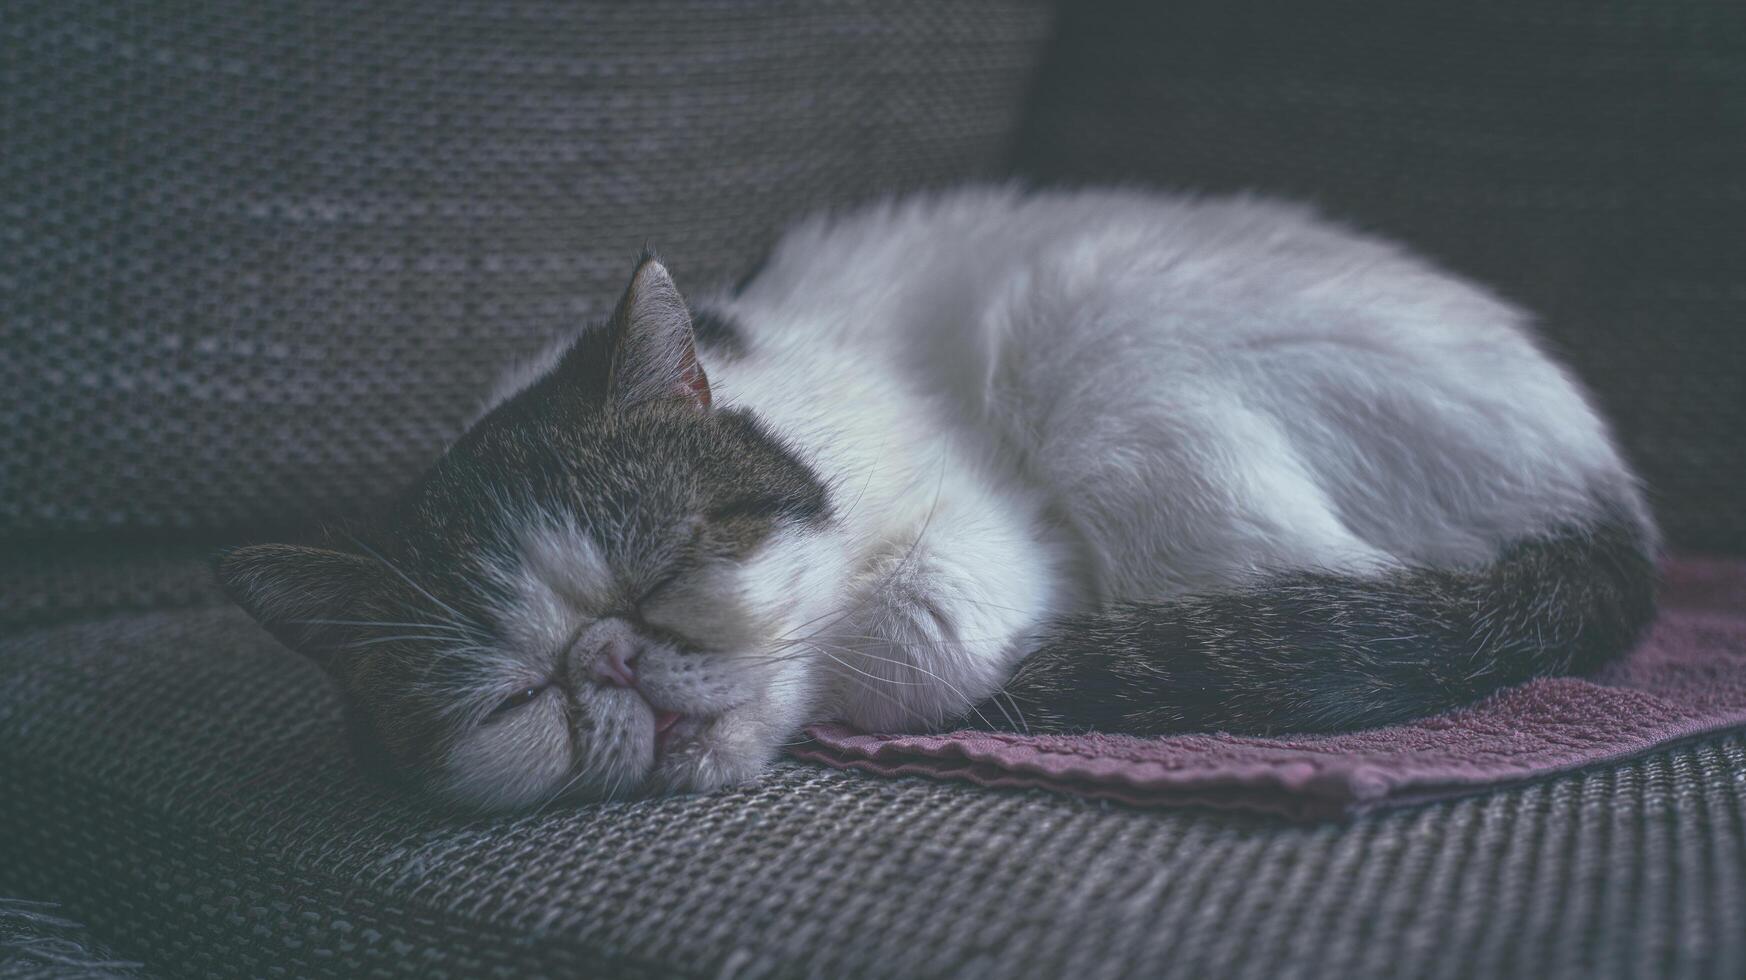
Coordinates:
(1109, 397)
(1206, 463)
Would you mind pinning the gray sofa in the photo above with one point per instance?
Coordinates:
(258, 262)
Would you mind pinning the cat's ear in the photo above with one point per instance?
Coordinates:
(307, 597)
(654, 351)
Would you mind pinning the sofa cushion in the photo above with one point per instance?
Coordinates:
(180, 783)
(47, 582)
(259, 262)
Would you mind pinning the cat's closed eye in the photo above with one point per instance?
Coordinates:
(652, 592)
(519, 699)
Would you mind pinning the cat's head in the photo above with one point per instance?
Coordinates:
(592, 592)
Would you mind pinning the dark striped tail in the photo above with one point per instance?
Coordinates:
(1318, 652)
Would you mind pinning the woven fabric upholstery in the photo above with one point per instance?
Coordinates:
(1583, 156)
(44, 583)
(259, 261)
(181, 784)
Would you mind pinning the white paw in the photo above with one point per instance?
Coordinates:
(911, 656)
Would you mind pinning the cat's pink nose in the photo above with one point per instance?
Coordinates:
(616, 665)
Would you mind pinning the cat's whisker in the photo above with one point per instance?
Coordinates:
(1015, 718)
(942, 644)
(468, 628)
(927, 522)
(872, 471)
(565, 788)
(901, 663)
(948, 684)
(370, 622)
(870, 688)
(617, 782)
(452, 611)
(965, 643)
(855, 652)
(869, 593)
(404, 638)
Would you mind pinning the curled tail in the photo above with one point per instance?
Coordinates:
(1319, 652)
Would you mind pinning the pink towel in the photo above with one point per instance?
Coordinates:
(1687, 678)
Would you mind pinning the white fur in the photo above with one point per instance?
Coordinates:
(1093, 396)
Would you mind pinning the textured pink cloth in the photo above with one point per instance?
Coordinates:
(1687, 678)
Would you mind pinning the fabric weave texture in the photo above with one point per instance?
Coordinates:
(182, 785)
(259, 263)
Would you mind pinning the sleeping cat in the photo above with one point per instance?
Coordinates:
(1048, 461)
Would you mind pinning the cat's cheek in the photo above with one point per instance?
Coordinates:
(505, 767)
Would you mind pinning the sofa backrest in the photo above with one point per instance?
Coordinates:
(260, 261)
